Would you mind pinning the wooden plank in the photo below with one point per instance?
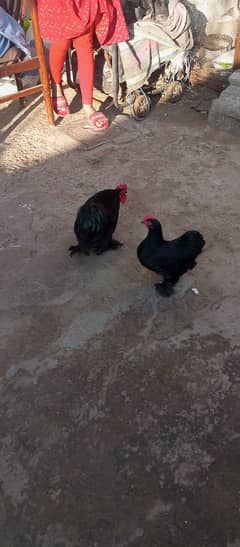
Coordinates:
(23, 93)
(24, 4)
(236, 62)
(42, 60)
(17, 68)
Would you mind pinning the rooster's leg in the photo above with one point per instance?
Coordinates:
(115, 244)
(107, 244)
(76, 249)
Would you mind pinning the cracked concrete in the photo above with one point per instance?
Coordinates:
(119, 409)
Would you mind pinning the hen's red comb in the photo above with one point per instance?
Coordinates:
(122, 187)
(148, 217)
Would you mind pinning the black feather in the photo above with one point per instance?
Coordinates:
(96, 222)
(171, 259)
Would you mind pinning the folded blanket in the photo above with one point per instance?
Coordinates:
(148, 47)
(11, 33)
(178, 25)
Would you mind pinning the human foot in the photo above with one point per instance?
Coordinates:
(60, 106)
(95, 120)
(59, 102)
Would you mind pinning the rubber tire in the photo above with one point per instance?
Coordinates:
(173, 93)
(140, 105)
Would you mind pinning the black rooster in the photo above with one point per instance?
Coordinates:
(171, 259)
(96, 221)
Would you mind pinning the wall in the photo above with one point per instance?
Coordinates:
(213, 16)
(215, 8)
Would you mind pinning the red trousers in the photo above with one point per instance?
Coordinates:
(84, 49)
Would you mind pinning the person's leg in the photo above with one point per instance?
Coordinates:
(57, 56)
(84, 48)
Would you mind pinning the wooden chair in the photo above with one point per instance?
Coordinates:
(236, 62)
(17, 8)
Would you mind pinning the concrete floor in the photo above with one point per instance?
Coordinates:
(119, 409)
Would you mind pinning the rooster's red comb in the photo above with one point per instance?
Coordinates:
(122, 187)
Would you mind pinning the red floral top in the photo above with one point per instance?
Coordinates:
(64, 19)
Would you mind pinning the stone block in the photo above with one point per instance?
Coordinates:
(234, 79)
(225, 111)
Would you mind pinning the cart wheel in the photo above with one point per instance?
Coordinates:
(139, 104)
(173, 93)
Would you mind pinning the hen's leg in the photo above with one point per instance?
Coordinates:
(192, 265)
(164, 289)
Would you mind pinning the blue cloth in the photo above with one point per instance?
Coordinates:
(11, 33)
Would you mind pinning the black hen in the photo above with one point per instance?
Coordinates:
(96, 221)
(171, 259)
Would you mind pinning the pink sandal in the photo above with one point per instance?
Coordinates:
(60, 106)
(93, 119)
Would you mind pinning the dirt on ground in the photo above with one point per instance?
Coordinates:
(119, 409)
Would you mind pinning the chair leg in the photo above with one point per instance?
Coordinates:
(22, 100)
(42, 61)
(48, 104)
(46, 92)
